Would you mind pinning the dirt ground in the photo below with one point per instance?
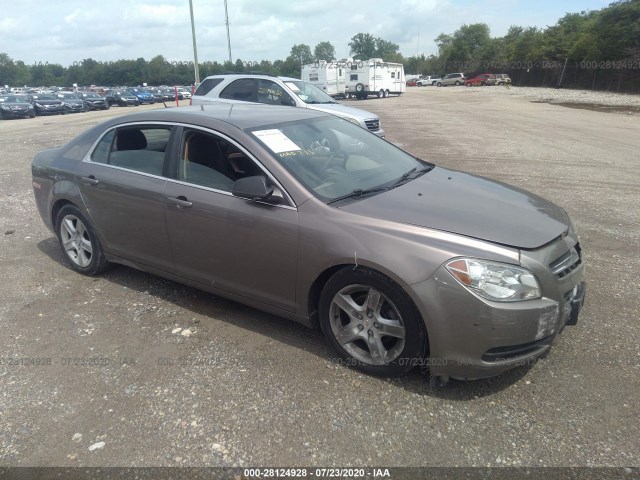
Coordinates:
(94, 371)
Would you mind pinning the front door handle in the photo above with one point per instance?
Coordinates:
(91, 180)
(181, 201)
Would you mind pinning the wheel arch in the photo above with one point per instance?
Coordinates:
(315, 290)
(57, 206)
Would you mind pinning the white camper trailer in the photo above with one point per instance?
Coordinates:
(327, 76)
(375, 77)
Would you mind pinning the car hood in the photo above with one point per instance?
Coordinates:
(469, 205)
(48, 102)
(341, 110)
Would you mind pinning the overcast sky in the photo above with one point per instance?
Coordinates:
(64, 31)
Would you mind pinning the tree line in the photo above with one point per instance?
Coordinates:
(589, 49)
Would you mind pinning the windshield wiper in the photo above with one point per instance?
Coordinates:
(415, 172)
(359, 193)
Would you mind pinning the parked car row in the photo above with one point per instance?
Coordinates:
(60, 103)
(40, 101)
(459, 78)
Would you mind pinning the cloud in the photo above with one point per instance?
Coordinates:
(65, 31)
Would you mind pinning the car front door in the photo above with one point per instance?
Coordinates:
(222, 241)
(122, 186)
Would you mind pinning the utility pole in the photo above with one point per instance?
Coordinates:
(226, 20)
(195, 50)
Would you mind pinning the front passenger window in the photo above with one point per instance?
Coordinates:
(211, 161)
(273, 94)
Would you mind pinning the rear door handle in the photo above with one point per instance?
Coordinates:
(181, 201)
(91, 180)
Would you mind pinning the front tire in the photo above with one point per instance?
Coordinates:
(79, 243)
(371, 322)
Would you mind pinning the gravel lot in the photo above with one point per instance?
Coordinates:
(128, 369)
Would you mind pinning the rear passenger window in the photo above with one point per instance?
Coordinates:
(135, 148)
(241, 89)
(101, 153)
(207, 85)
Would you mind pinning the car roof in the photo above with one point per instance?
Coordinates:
(251, 75)
(242, 115)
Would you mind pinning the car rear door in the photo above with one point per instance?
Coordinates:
(222, 241)
(122, 185)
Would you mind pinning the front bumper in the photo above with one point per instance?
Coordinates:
(471, 337)
(73, 107)
(17, 113)
(50, 110)
(97, 105)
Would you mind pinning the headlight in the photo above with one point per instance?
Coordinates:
(5, 107)
(495, 281)
(39, 105)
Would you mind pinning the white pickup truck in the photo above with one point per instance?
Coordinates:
(428, 80)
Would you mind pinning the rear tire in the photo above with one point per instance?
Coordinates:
(381, 94)
(386, 94)
(371, 322)
(439, 84)
(79, 243)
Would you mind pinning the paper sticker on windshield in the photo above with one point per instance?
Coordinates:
(277, 141)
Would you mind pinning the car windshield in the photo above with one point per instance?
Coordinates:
(68, 96)
(10, 99)
(90, 95)
(337, 160)
(43, 97)
(308, 93)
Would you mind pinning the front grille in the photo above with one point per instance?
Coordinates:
(373, 125)
(567, 263)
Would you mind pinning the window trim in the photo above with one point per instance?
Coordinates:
(89, 154)
(179, 141)
(174, 145)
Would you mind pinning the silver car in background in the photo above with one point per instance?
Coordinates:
(305, 215)
(449, 79)
(287, 91)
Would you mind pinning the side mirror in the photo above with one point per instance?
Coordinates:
(253, 188)
(288, 101)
